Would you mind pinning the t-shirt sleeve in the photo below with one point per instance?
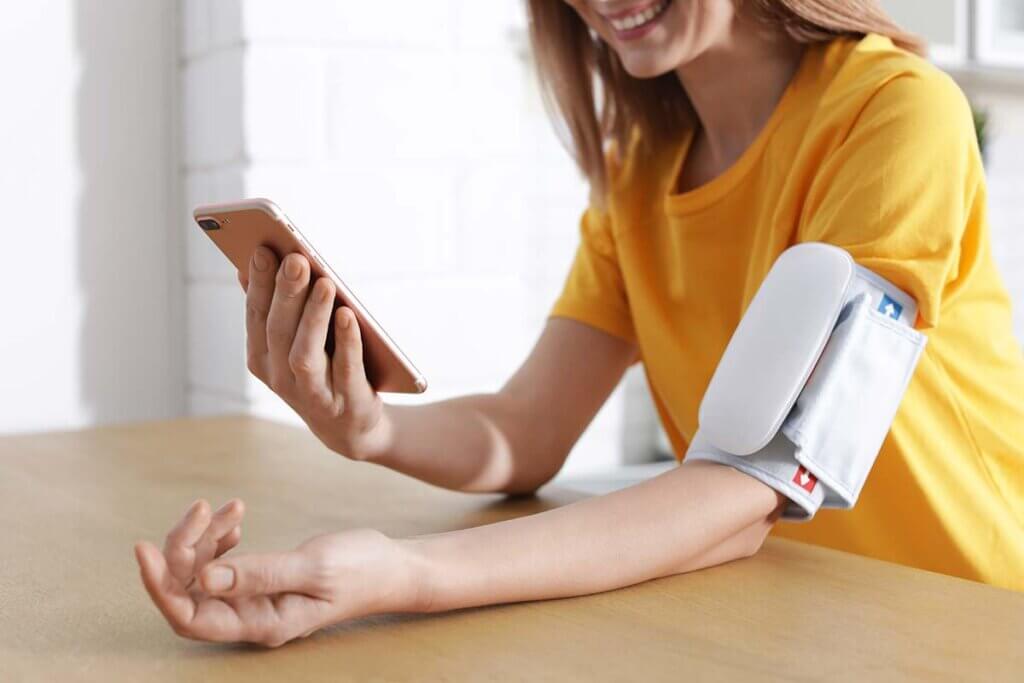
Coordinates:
(594, 292)
(899, 190)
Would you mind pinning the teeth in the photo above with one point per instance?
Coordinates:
(639, 18)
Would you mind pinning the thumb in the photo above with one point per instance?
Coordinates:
(257, 574)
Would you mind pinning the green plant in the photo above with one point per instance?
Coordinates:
(981, 126)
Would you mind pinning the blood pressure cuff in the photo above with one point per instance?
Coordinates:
(810, 382)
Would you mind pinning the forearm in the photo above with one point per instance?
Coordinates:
(515, 439)
(470, 443)
(694, 516)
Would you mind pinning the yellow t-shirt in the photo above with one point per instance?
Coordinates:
(873, 150)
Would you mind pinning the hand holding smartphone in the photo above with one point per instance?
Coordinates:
(239, 228)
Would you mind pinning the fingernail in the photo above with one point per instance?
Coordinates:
(325, 291)
(292, 269)
(345, 319)
(259, 259)
(219, 578)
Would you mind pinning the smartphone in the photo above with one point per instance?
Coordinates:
(237, 228)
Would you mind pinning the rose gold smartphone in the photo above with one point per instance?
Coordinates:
(237, 228)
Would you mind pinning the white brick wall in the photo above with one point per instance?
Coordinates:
(406, 140)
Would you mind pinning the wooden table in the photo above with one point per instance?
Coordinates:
(72, 606)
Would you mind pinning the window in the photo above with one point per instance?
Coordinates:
(943, 23)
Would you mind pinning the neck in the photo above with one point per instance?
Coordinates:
(735, 84)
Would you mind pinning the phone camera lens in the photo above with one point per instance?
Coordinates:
(209, 224)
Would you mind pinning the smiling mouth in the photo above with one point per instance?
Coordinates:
(632, 22)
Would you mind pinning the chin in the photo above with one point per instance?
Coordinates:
(648, 67)
(653, 63)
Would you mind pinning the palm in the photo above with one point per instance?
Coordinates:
(271, 598)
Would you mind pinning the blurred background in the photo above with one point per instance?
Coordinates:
(407, 128)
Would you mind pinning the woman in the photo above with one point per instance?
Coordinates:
(730, 129)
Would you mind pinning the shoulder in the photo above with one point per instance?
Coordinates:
(879, 85)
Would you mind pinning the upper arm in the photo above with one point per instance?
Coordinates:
(901, 190)
(567, 377)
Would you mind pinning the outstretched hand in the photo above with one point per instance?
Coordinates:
(269, 598)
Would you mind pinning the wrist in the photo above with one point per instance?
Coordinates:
(371, 445)
(415, 585)
(376, 442)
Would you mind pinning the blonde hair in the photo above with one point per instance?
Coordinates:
(573, 63)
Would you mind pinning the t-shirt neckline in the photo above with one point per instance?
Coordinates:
(715, 189)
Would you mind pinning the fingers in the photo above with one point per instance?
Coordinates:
(222, 534)
(258, 295)
(224, 521)
(167, 593)
(307, 358)
(212, 620)
(259, 574)
(287, 324)
(230, 540)
(201, 536)
(271, 617)
(290, 288)
(348, 374)
(179, 545)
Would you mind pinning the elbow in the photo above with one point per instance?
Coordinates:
(528, 483)
(754, 537)
(510, 475)
(532, 465)
(753, 543)
(527, 476)
(522, 490)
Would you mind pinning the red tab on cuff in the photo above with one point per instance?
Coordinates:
(804, 479)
